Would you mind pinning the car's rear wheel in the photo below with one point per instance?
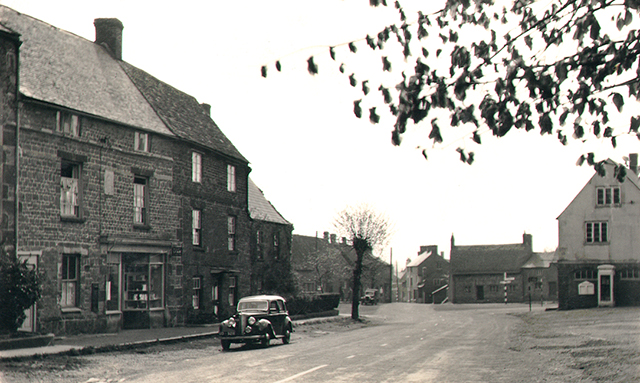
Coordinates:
(225, 345)
(287, 336)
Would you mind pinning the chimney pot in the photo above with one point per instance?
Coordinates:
(109, 33)
(326, 236)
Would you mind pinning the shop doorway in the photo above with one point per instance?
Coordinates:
(143, 289)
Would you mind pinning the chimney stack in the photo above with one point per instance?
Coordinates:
(207, 109)
(527, 241)
(633, 162)
(109, 34)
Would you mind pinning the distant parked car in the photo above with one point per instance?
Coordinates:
(370, 297)
(260, 318)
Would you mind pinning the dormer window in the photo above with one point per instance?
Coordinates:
(68, 123)
(141, 142)
(608, 196)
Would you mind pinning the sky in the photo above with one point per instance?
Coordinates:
(308, 152)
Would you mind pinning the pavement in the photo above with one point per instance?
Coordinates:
(127, 339)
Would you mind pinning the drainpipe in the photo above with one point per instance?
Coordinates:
(18, 149)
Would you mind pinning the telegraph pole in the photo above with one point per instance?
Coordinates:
(391, 275)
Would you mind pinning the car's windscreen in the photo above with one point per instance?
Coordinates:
(253, 306)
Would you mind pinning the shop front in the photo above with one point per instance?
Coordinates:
(136, 287)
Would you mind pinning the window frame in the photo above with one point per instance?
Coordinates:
(197, 293)
(144, 209)
(608, 196)
(231, 178)
(68, 123)
(585, 274)
(276, 245)
(593, 236)
(76, 205)
(629, 273)
(231, 232)
(67, 284)
(113, 291)
(196, 227)
(196, 167)
(140, 144)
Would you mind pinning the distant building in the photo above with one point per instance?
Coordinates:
(599, 241)
(479, 273)
(426, 274)
(325, 265)
(540, 277)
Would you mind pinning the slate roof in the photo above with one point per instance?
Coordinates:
(61, 68)
(67, 70)
(261, 209)
(421, 258)
(182, 113)
(483, 259)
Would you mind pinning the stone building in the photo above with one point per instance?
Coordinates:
(488, 273)
(271, 245)
(130, 200)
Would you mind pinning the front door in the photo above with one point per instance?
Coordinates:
(605, 288)
(480, 293)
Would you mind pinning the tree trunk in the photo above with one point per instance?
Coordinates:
(355, 299)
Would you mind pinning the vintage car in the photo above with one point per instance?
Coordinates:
(370, 297)
(259, 319)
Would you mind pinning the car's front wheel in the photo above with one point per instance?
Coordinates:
(287, 336)
(266, 339)
(225, 345)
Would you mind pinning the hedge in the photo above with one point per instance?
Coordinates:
(304, 305)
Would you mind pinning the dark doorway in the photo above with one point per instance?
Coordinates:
(605, 288)
(553, 291)
(480, 293)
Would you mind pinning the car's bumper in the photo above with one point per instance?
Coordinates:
(242, 338)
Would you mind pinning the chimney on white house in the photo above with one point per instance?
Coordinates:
(109, 35)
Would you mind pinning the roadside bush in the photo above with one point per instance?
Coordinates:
(305, 305)
(19, 289)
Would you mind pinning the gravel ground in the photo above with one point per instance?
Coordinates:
(596, 345)
(602, 344)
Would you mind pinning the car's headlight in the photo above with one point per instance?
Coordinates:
(248, 330)
(231, 323)
(251, 321)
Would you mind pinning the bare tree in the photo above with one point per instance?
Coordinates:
(367, 230)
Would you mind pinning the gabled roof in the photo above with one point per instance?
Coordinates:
(261, 209)
(421, 258)
(630, 177)
(63, 69)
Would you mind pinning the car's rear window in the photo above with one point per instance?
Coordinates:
(253, 305)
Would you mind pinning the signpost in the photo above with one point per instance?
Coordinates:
(506, 281)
